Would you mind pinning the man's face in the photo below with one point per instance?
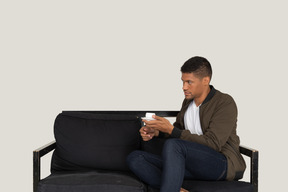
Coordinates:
(193, 86)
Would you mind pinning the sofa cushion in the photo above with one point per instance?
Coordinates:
(91, 182)
(86, 141)
(154, 145)
(213, 186)
(217, 186)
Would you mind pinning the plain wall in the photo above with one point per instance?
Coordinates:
(126, 55)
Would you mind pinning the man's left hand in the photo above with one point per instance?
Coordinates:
(161, 124)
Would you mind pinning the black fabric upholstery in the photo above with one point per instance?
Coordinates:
(218, 186)
(88, 141)
(153, 146)
(91, 182)
(214, 186)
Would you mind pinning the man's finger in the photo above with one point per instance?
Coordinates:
(146, 137)
(151, 125)
(152, 122)
(157, 117)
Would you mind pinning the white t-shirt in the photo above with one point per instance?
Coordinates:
(192, 119)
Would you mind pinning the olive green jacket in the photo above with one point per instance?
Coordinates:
(218, 118)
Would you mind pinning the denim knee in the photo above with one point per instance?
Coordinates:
(172, 145)
(134, 159)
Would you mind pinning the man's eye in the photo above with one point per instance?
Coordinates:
(189, 82)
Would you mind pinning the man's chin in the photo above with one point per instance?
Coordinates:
(188, 97)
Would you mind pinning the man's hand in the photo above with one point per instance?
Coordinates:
(160, 124)
(148, 133)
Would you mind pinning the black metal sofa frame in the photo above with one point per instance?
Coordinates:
(42, 151)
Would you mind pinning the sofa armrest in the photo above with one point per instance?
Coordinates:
(37, 154)
(254, 155)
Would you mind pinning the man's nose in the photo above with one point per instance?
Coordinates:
(184, 87)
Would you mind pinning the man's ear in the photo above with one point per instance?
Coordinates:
(206, 80)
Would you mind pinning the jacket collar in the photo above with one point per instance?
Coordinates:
(210, 95)
(208, 98)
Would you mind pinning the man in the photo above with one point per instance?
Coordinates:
(202, 143)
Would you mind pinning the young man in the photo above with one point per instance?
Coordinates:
(202, 143)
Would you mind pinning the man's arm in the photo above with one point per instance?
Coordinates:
(221, 125)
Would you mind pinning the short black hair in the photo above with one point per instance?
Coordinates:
(199, 66)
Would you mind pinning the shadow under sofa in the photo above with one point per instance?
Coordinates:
(90, 150)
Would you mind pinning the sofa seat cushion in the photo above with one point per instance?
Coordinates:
(217, 186)
(213, 186)
(91, 182)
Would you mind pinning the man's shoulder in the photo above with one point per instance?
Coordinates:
(223, 98)
(223, 95)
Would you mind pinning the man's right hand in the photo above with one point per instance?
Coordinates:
(148, 133)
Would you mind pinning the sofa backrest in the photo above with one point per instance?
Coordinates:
(88, 141)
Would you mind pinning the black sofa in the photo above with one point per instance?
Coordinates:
(91, 149)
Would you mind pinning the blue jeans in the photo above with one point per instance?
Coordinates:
(180, 160)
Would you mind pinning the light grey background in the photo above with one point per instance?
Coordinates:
(126, 55)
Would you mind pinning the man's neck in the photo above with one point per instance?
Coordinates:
(198, 101)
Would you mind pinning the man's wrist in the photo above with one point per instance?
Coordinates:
(156, 133)
(176, 132)
(170, 129)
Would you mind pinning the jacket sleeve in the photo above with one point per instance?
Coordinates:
(221, 124)
(178, 126)
(176, 132)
